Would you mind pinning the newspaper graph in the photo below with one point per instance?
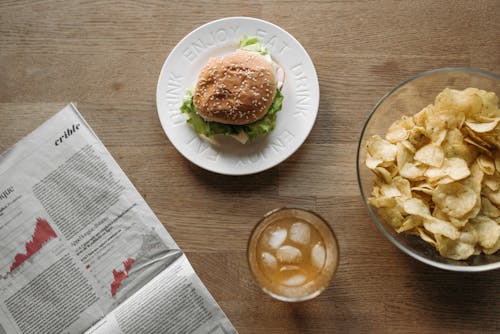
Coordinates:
(135, 255)
(24, 243)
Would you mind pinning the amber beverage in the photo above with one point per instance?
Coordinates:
(293, 254)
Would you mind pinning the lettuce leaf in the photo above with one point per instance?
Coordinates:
(268, 122)
(199, 125)
(209, 129)
(252, 44)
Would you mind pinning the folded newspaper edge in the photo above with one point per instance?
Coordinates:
(81, 251)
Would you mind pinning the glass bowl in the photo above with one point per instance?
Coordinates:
(408, 98)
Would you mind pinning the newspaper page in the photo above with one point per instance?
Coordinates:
(81, 251)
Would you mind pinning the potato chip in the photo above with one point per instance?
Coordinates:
(456, 168)
(437, 213)
(389, 190)
(403, 154)
(479, 118)
(464, 151)
(400, 130)
(438, 124)
(453, 168)
(392, 216)
(418, 137)
(489, 209)
(484, 149)
(469, 235)
(422, 232)
(459, 101)
(372, 162)
(459, 222)
(393, 169)
(454, 199)
(455, 147)
(475, 179)
(493, 249)
(433, 174)
(403, 185)
(488, 231)
(492, 181)
(427, 199)
(442, 227)
(490, 103)
(438, 136)
(410, 223)
(493, 196)
(431, 155)
(453, 249)
(454, 137)
(435, 124)
(382, 202)
(417, 207)
(384, 174)
(412, 171)
(423, 187)
(445, 180)
(482, 127)
(381, 149)
(438, 173)
(474, 183)
(497, 161)
(486, 164)
(471, 214)
(409, 146)
(493, 139)
(420, 118)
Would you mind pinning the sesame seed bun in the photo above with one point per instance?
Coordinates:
(235, 89)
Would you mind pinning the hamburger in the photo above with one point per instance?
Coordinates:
(236, 95)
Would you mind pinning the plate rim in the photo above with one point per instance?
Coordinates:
(315, 92)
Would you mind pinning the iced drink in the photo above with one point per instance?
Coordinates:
(293, 254)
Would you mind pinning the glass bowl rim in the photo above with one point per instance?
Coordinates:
(373, 216)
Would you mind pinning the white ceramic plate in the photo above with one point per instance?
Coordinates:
(300, 106)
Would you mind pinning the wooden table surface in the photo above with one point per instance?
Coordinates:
(107, 55)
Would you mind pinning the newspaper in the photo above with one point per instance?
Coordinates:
(81, 251)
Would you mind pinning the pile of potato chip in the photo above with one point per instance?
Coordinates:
(438, 173)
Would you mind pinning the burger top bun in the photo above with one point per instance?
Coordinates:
(235, 89)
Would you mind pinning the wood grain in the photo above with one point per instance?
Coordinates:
(106, 56)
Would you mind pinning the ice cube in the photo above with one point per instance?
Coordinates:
(288, 267)
(269, 260)
(295, 280)
(300, 233)
(288, 254)
(275, 237)
(318, 255)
